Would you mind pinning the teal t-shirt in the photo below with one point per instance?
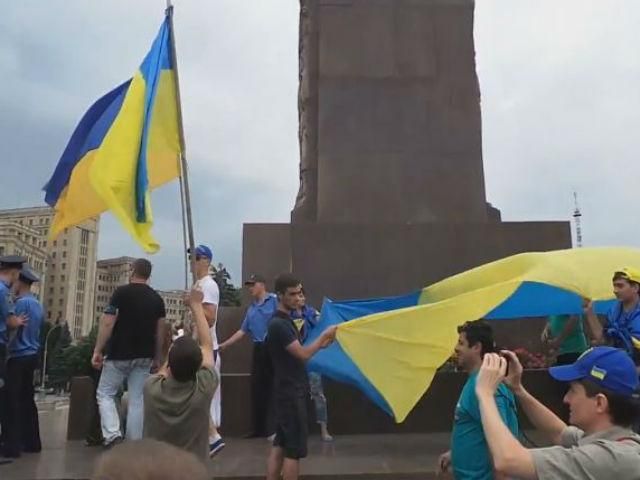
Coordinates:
(470, 457)
(576, 342)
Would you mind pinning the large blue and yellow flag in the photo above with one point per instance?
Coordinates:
(126, 144)
(391, 348)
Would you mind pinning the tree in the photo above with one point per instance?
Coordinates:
(72, 360)
(59, 341)
(229, 294)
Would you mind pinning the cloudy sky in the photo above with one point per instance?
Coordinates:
(560, 86)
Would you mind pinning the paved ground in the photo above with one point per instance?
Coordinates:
(366, 456)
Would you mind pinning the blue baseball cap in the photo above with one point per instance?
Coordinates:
(609, 367)
(202, 251)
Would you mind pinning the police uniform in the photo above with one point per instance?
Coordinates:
(23, 432)
(6, 310)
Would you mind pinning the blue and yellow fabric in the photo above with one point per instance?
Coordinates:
(391, 348)
(125, 145)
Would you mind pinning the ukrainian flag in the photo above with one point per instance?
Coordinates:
(391, 348)
(126, 144)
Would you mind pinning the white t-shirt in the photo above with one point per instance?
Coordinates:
(211, 294)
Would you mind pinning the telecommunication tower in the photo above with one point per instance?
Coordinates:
(577, 216)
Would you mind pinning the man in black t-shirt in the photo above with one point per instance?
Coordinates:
(131, 334)
(291, 389)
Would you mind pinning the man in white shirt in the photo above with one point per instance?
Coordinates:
(211, 299)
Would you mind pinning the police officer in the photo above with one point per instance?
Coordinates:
(10, 267)
(23, 432)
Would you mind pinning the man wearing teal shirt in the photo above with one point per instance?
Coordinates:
(565, 337)
(469, 455)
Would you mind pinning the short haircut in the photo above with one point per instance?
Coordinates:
(142, 268)
(479, 331)
(185, 359)
(149, 460)
(285, 281)
(624, 410)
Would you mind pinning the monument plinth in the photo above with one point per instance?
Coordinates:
(392, 193)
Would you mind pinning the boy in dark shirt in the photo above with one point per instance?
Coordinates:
(291, 388)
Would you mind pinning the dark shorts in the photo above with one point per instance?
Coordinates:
(291, 427)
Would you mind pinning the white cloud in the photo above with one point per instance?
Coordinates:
(560, 102)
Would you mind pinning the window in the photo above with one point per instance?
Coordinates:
(53, 255)
(62, 278)
(31, 221)
(60, 302)
(64, 242)
(49, 315)
(51, 291)
(55, 243)
(64, 266)
(50, 305)
(62, 290)
(64, 254)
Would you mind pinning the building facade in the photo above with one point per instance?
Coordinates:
(110, 274)
(174, 305)
(17, 239)
(70, 269)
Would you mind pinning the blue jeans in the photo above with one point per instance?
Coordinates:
(114, 373)
(317, 395)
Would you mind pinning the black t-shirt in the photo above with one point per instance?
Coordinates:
(137, 307)
(290, 372)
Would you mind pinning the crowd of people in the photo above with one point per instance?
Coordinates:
(174, 395)
(599, 438)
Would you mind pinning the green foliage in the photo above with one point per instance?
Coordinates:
(229, 294)
(72, 360)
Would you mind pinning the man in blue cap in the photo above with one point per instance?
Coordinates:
(211, 299)
(603, 403)
(10, 267)
(23, 431)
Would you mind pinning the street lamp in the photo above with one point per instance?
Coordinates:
(44, 360)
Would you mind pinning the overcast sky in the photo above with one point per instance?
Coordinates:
(560, 85)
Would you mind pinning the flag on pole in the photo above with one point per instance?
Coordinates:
(125, 145)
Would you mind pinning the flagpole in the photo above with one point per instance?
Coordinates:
(185, 195)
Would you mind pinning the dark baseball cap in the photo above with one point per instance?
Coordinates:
(12, 261)
(608, 367)
(28, 276)
(255, 278)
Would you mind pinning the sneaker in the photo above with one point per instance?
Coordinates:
(327, 438)
(216, 447)
(112, 443)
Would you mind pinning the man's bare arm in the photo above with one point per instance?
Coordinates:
(232, 339)
(194, 300)
(304, 353)
(107, 322)
(210, 312)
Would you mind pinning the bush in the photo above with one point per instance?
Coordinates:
(72, 361)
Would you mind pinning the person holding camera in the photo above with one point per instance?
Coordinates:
(469, 455)
(603, 401)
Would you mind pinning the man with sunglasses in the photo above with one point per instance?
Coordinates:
(211, 298)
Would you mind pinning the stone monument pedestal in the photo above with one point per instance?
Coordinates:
(348, 261)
